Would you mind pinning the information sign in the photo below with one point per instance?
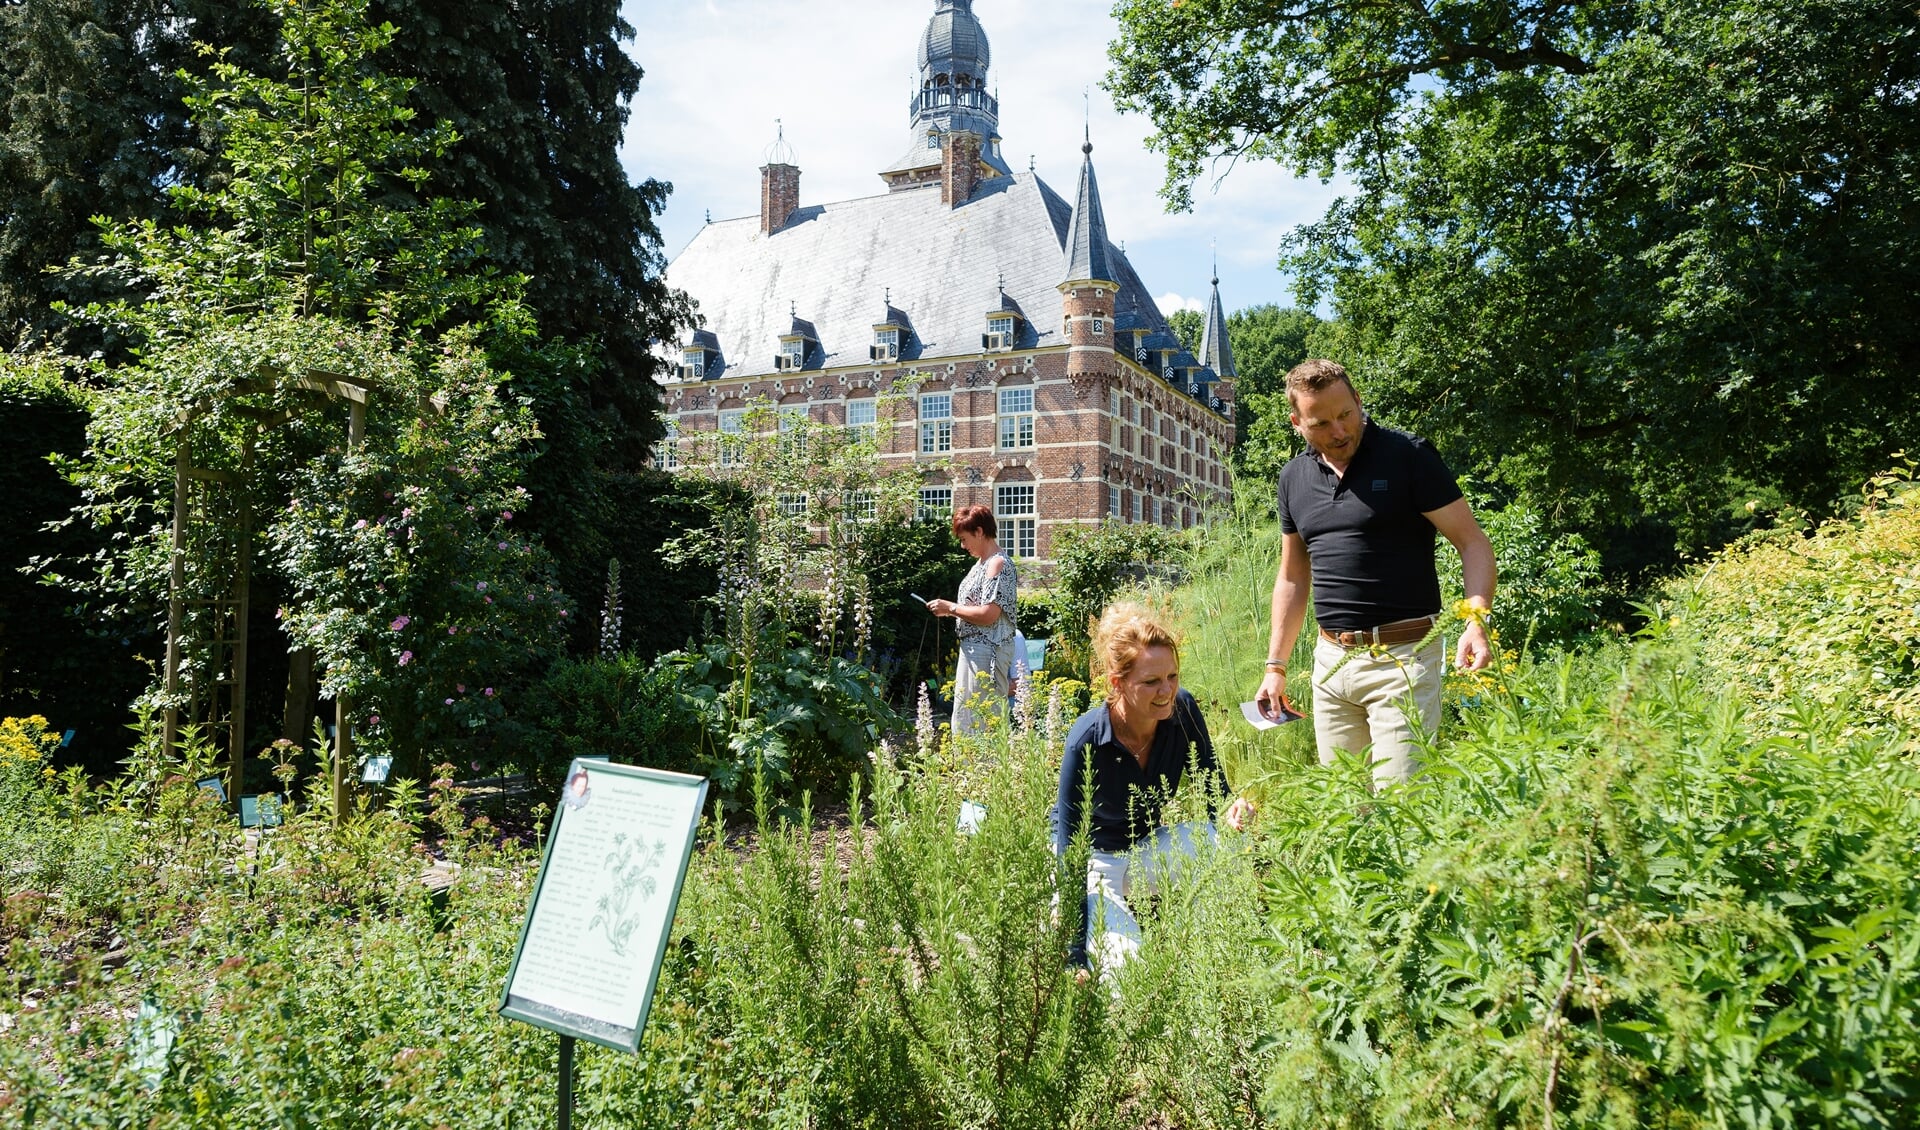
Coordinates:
(602, 908)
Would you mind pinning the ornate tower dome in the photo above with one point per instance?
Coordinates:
(952, 96)
(954, 44)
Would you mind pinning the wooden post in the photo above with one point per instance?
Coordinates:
(343, 705)
(297, 720)
(243, 583)
(176, 596)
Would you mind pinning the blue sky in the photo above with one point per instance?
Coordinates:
(838, 76)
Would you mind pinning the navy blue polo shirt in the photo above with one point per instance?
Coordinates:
(1126, 798)
(1367, 533)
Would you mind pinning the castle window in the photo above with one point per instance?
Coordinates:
(1099, 326)
(860, 505)
(1136, 506)
(670, 447)
(1113, 402)
(861, 418)
(793, 353)
(1114, 502)
(693, 364)
(793, 430)
(886, 345)
(1014, 512)
(732, 450)
(936, 504)
(1003, 326)
(793, 505)
(936, 423)
(1016, 417)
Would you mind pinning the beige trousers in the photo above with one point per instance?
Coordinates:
(1379, 704)
(981, 683)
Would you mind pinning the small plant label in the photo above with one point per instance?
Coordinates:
(602, 907)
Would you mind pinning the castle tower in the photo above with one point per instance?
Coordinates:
(1216, 352)
(1088, 287)
(954, 120)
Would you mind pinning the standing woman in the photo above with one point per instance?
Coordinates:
(983, 622)
(1123, 761)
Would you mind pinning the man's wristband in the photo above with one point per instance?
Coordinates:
(1279, 665)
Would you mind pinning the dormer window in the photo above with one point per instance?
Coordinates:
(1001, 329)
(886, 344)
(693, 364)
(793, 353)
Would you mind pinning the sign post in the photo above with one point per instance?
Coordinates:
(598, 921)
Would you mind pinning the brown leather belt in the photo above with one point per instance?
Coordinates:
(1400, 631)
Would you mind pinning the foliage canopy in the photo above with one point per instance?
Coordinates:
(1621, 257)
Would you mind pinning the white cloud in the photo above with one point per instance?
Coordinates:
(839, 77)
(1170, 302)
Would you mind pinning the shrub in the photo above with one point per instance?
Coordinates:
(794, 717)
(1615, 900)
(1832, 619)
(616, 706)
(1095, 564)
(1550, 585)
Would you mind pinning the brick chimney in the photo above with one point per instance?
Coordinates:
(779, 194)
(959, 166)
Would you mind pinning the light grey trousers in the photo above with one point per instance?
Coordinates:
(981, 683)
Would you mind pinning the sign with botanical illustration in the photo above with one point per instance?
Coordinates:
(602, 907)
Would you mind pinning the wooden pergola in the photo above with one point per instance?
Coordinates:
(223, 653)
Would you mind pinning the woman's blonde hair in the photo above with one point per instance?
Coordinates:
(1122, 634)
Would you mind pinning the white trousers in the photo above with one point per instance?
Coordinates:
(1113, 877)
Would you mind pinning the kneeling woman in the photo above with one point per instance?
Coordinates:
(1126, 758)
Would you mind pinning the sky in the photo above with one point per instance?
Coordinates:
(837, 75)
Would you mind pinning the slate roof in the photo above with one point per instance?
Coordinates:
(833, 263)
(1088, 255)
(1216, 352)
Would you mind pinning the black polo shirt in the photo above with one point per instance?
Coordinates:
(1126, 798)
(1366, 532)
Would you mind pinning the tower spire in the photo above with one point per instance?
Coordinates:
(1215, 351)
(1089, 257)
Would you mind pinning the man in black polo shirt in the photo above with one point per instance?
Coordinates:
(1359, 510)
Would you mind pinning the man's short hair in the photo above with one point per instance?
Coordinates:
(1315, 374)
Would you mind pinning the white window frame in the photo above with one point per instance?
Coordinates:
(1001, 324)
(867, 409)
(670, 446)
(729, 426)
(1136, 506)
(1016, 418)
(860, 505)
(936, 423)
(1018, 518)
(1115, 503)
(793, 429)
(792, 504)
(936, 504)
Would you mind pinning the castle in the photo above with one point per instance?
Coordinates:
(1045, 382)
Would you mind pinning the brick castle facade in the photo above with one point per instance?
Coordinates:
(1043, 380)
